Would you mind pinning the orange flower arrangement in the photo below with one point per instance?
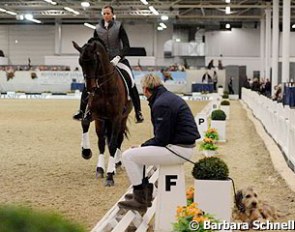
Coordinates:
(190, 195)
(186, 214)
(208, 144)
(212, 133)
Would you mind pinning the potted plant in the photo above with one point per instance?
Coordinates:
(218, 118)
(208, 147)
(18, 218)
(212, 134)
(220, 90)
(224, 106)
(190, 216)
(213, 187)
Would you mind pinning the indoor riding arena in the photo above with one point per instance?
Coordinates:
(223, 58)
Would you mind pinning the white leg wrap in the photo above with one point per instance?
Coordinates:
(118, 155)
(100, 162)
(111, 165)
(85, 141)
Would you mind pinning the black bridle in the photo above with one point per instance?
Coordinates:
(97, 76)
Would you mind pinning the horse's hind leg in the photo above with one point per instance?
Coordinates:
(86, 151)
(100, 130)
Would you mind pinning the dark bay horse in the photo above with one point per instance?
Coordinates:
(108, 103)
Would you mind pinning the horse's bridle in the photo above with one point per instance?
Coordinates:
(98, 85)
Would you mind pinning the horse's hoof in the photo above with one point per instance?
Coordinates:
(109, 180)
(86, 153)
(109, 183)
(99, 172)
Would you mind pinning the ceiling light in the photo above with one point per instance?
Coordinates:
(227, 10)
(164, 17)
(227, 1)
(293, 25)
(163, 25)
(85, 4)
(10, 12)
(29, 16)
(35, 20)
(20, 17)
(160, 28)
(144, 2)
(227, 26)
(177, 40)
(89, 25)
(2, 10)
(153, 10)
(71, 10)
(51, 2)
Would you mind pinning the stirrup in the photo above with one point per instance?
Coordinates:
(78, 115)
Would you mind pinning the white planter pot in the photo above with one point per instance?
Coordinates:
(220, 126)
(233, 96)
(220, 91)
(215, 197)
(226, 110)
(209, 153)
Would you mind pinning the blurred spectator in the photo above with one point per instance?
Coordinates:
(230, 86)
(255, 85)
(278, 93)
(166, 75)
(211, 64)
(215, 80)
(247, 84)
(206, 78)
(220, 66)
(267, 88)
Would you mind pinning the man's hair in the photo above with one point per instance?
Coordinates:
(151, 81)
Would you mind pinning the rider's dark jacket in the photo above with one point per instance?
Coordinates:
(112, 37)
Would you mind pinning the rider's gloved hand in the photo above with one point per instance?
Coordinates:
(115, 60)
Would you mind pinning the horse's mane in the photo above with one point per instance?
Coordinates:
(93, 39)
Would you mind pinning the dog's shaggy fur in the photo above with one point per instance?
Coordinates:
(250, 208)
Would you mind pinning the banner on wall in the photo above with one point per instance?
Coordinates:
(166, 76)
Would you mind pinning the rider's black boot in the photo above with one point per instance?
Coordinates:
(83, 104)
(136, 103)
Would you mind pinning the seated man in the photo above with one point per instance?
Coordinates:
(174, 129)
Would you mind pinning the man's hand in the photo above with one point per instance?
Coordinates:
(115, 60)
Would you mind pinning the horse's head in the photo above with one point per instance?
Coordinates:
(91, 62)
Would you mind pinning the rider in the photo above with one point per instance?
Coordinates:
(113, 34)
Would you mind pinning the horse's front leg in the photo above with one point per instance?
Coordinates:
(113, 145)
(85, 144)
(100, 131)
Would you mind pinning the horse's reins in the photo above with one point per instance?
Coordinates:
(234, 188)
(99, 85)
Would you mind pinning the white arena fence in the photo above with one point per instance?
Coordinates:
(278, 121)
(119, 220)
